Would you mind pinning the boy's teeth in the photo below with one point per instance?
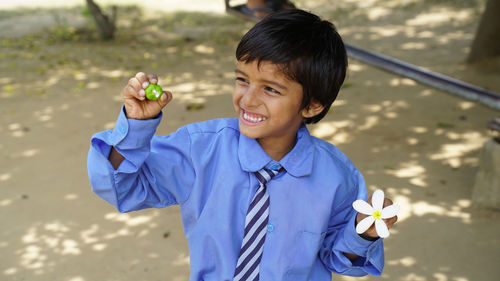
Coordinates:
(253, 119)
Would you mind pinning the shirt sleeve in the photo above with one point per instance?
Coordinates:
(342, 238)
(157, 170)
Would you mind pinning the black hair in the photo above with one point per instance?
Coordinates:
(307, 49)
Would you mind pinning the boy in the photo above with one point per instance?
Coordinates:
(260, 198)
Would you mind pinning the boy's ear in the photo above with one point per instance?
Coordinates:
(313, 109)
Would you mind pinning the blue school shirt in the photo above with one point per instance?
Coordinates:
(208, 169)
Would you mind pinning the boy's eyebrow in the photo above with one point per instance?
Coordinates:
(237, 71)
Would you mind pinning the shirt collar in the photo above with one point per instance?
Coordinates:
(297, 162)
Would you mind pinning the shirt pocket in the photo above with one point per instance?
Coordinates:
(304, 255)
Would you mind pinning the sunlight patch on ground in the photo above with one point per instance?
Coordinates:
(4, 177)
(412, 170)
(70, 247)
(30, 152)
(370, 122)
(45, 114)
(5, 202)
(412, 141)
(413, 277)
(188, 87)
(328, 129)
(323, 130)
(71, 196)
(196, 92)
(372, 107)
(414, 46)
(404, 261)
(425, 34)
(10, 271)
(439, 17)
(99, 247)
(340, 138)
(130, 220)
(374, 13)
(204, 49)
(451, 37)
(386, 31)
(181, 260)
(419, 129)
(339, 102)
(402, 82)
(51, 81)
(41, 240)
(116, 73)
(86, 235)
(109, 125)
(355, 67)
(465, 105)
(453, 153)
(423, 208)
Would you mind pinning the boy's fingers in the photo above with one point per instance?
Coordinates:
(130, 92)
(143, 79)
(135, 84)
(165, 98)
(153, 78)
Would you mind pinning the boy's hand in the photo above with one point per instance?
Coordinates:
(134, 97)
(371, 233)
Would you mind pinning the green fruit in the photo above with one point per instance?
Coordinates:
(153, 92)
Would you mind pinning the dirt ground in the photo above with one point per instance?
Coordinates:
(59, 85)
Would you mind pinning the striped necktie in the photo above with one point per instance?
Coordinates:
(256, 220)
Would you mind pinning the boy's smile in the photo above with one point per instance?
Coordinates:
(268, 105)
(251, 118)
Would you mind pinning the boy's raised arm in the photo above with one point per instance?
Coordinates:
(129, 167)
(138, 107)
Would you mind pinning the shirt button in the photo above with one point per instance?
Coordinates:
(270, 228)
(275, 167)
(122, 129)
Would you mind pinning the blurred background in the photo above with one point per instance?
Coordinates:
(60, 82)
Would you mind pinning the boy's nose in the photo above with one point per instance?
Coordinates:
(250, 97)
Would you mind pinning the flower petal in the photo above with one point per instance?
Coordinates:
(362, 207)
(390, 211)
(378, 199)
(364, 224)
(381, 229)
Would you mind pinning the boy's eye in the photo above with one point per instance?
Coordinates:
(271, 90)
(241, 80)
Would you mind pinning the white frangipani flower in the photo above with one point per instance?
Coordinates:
(376, 213)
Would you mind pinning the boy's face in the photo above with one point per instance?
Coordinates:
(268, 103)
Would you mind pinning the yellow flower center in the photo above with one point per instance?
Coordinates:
(377, 215)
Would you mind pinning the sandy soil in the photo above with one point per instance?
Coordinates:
(60, 85)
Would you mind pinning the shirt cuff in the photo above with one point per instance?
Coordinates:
(357, 244)
(132, 133)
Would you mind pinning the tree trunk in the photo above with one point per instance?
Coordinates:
(486, 43)
(105, 26)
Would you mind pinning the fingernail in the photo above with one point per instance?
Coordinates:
(142, 92)
(145, 84)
